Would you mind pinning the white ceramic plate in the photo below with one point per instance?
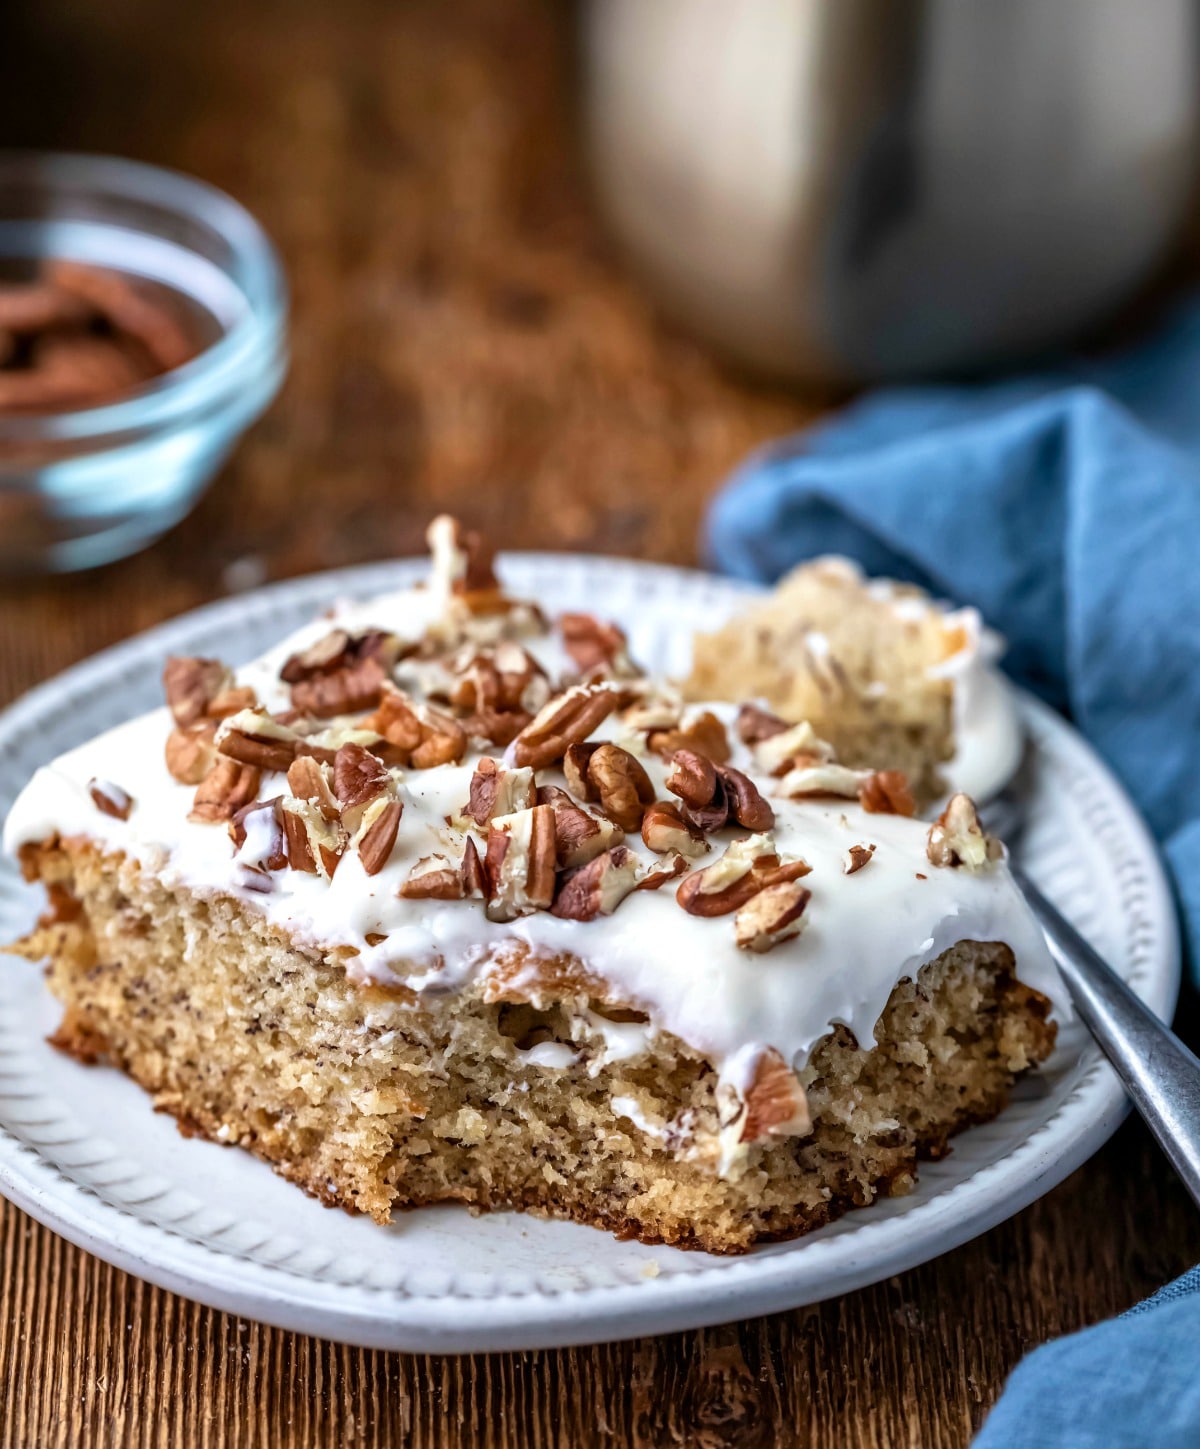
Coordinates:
(81, 1150)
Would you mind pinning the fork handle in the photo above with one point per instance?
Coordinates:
(1160, 1074)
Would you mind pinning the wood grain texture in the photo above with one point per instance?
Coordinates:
(463, 338)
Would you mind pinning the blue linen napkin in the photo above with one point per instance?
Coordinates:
(1066, 507)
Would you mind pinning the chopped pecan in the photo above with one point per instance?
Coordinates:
(692, 777)
(575, 761)
(812, 780)
(705, 735)
(314, 844)
(191, 684)
(110, 799)
(341, 673)
(712, 795)
(309, 779)
(776, 1105)
(622, 785)
(497, 791)
(956, 837)
(661, 871)
(594, 644)
(747, 867)
(521, 855)
(857, 857)
(190, 752)
(599, 887)
(443, 740)
(232, 701)
(473, 875)
(395, 719)
(886, 792)
(775, 914)
(423, 736)
(664, 830)
(463, 564)
(745, 804)
(375, 837)
(258, 837)
(567, 720)
(254, 738)
(795, 747)
(433, 878)
(755, 724)
(579, 834)
(359, 780)
(224, 790)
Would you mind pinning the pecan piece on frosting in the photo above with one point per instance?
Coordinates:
(258, 836)
(192, 684)
(420, 735)
(775, 914)
(747, 867)
(713, 795)
(341, 673)
(957, 838)
(704, 735)
(463, 565)
(755, 724)
(497, 791)
(309, 779)
(596, 645)
(254, 738)
(665, 830)
(433, 878)
(224, 790)
(812, 780)
(886, 792)
(375, 837)
(658, 873)
(579, 835)
(110, 799)
(793, 747)
(775, 1104)
(315, 844)
(599, 887)
(190, 752)
(856, 858)
(521, 857)
(566, 720)
(620, 784)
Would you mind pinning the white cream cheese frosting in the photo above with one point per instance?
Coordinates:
(864, 931)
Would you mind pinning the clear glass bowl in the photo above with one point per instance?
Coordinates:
(80, 488)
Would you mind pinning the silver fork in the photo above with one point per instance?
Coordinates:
(1160, 1074)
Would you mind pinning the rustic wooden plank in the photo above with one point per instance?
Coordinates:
(464, 337)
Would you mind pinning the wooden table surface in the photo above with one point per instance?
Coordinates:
(464, 338)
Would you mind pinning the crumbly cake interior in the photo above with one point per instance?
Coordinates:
(860, 660)
(375, 1100)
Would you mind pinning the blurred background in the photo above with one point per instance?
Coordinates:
(559, 267)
